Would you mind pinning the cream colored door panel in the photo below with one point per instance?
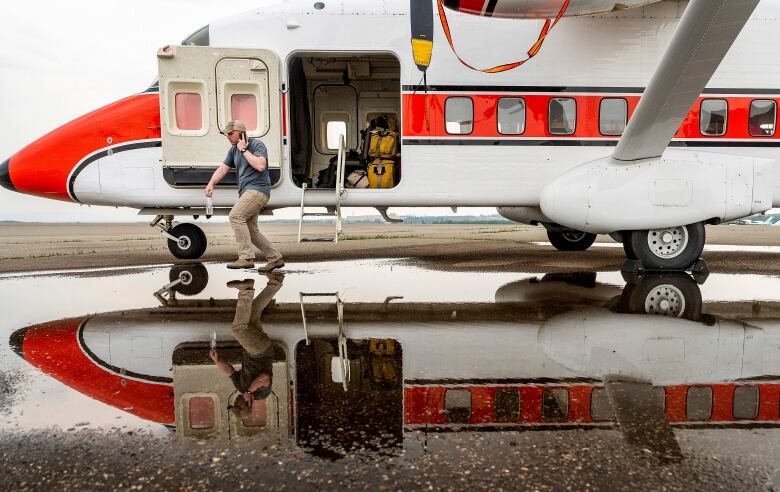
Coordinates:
(201, 88)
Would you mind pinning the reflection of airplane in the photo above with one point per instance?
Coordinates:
(524, 364)
(565, 143)
(757, 220)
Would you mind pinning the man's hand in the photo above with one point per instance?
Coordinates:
(249, 398)
(209, 190)
(214, 356)
(242, 144)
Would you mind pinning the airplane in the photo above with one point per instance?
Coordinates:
(636, 119)
(535, 362)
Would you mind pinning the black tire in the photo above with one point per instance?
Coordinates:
(678, 253)
(194, 278)
(627, 248)
(571, 240)
(192, 242)
(675, 295)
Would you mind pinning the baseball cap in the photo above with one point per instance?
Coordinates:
(234, 125)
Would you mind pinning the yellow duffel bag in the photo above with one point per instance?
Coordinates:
(381, 173)
(382, 144)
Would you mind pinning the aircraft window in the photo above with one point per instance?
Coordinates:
(763, 117)
(333, 131)
(198, 38)
(613, 115)
(506, 405)
(201, 412)
(244, 107)
(189, 111)
(699, 403)
(600, 407)
(555, 404)
(511, 115)
(563, 116)
(459, 115)
(713, 116)
(457, 405)
(745, 402)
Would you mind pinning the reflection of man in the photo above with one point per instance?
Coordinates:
(254, 378)
(249, 157)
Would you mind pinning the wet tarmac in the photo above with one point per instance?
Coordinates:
(383, 374)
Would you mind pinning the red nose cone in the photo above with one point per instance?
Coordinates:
(56, 349)
(46, 166)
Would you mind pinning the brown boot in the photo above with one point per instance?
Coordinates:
(241, 263)
(246, 284)
(271, 265)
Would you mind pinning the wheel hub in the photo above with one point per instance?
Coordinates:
(665, 300)
(573, 237)
(185, 278)
(184, 242)
(668, 243)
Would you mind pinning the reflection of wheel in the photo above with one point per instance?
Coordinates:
(191, 242)
(672, 248)
(194, 278)
(675, 295)
(571, 240)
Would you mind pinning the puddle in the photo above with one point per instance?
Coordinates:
(389, 351)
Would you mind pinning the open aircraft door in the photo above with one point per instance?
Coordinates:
(201, 89)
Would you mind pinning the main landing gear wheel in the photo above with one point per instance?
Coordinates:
(194, 278)
(571, 240)
(191, 242)
(671, 248)
(673, 295)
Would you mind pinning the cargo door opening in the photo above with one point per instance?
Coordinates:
(355, 95)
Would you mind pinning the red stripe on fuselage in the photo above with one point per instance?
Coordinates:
(424, 116)
(54, 349)
(43, 167)
(425, 404)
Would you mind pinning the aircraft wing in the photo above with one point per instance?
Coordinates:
(704, 35)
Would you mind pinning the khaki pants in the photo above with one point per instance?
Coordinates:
(246, 324)
(243, 220)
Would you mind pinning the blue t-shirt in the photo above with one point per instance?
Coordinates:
(250, 178)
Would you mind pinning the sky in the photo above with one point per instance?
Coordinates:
(59, 60)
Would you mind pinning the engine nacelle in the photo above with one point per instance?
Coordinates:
(681, 187)
(540, 9)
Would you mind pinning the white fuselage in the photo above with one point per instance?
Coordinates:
(586, 58)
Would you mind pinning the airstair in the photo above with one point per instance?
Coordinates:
(340, 364)
(332, 212)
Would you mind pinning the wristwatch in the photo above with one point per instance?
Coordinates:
(243, 150)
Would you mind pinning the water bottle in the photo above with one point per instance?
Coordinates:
(213, 343)
(209, 207)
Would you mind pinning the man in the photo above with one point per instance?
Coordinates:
(254, 378)
(249, 158)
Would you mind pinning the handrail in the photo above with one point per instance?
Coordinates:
(340, 170)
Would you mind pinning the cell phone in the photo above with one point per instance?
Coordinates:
(242, 135)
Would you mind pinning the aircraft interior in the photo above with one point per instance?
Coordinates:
(333, 95)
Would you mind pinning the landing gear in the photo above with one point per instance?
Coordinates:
(188, 243)
(671, 248)
(185, 241)
(571, 240)
(192, 278)
(673, 295)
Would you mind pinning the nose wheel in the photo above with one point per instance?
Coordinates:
(187, 241)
